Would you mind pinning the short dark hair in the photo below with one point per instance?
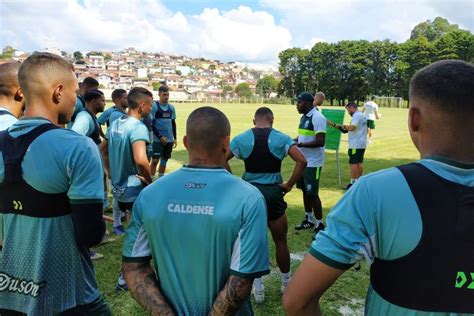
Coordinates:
(205, 128)
(41, 63)
(448, 86)
(9, 79)
(373, 97)
(351, 105)
(163, 88)
(93, 94)
(90, 82)
(264, 112)
(136, 96)
(118, 93)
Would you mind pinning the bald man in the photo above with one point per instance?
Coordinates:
(210, 244)
(12, 102)
(49, 225)
(413, 223)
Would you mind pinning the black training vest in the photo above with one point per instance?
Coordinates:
(162, 114)
(96, 133)
(261, 160)
(438, 275)
(16, 195)
(3, 112)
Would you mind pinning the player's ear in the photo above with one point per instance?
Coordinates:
(18, 95)
(414, 119)
(226, 144)
(185, 142)
(57, 94)
(253, 121)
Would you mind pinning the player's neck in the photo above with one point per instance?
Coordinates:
(11, 106)
(40, 110)
(135, 114)
(262, 125)
(461, 153)
(206, 160)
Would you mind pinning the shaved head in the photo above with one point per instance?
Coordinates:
(9, 79)
(319, 98)
(41, 71)
(206, 127)
(264, 113)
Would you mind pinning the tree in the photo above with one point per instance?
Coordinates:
(78, 56)
(294, 70)
(433, 30)
(7, 52)
(178, 72)
(267, 85)
(107, 57)
(227, 89)
(243, 90)
(156, 86)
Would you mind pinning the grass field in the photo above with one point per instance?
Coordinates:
(391, 146)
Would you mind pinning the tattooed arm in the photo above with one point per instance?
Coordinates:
(142, 284)
(231, 297)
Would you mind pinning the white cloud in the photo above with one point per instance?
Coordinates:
(240, 34)
(336, 20)
(313, 41)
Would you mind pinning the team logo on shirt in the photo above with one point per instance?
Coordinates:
(26, 287)
(194, 185)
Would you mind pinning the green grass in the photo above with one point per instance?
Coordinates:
(391, 146)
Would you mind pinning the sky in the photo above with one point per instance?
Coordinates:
(249, 31)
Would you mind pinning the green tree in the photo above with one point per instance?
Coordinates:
(107, 57)
(156, 86)
(294, 70)
(7, 52)
(243, 90)
(433, 30)
(78, 56)
(267, 85)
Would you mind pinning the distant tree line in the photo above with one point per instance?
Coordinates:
(352, 70)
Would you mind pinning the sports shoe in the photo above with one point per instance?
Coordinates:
(259, 296)
(305, 224)
(318, 229)
(348, 186)
(119, 230)
(121, 287)
(95, 255)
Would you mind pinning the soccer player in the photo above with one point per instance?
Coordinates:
(263, 148)
(357, 130)
(370, 110)
(119, 97)
(85, 86)
(164, 131)
(12, 103)
(51, 200)
(124, 153)
(86, 121)
(311, 140)
(209, 268)
(413, 222)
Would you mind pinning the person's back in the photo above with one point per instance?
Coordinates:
(414, 222)
(203, 228)
(48, 225)
(370, 108)
(123, 171)
(358, 137)
(211, 204)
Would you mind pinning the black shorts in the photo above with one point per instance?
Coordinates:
(309, 181)
(162, 151)
(273, 194)
(356, 155)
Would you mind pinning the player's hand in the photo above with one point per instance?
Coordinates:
(285, 187)
(142, 179)
(175, 143)
(164, 140)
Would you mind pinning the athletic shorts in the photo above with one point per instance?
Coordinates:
(356, 155)
(273, 194)
(371, 124)
(162, 151)
(95, 308)
(309, 181)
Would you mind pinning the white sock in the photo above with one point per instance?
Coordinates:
(317, 222)
(285, 278)
(121, 280)
(310, 217)
(258, 284)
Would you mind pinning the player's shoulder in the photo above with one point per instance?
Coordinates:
(279, 135)
(381, 180)
(317, 115)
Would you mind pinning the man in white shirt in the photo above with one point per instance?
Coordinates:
(357, 141)
(370, 110)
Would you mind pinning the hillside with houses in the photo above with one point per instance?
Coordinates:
(189, 79)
